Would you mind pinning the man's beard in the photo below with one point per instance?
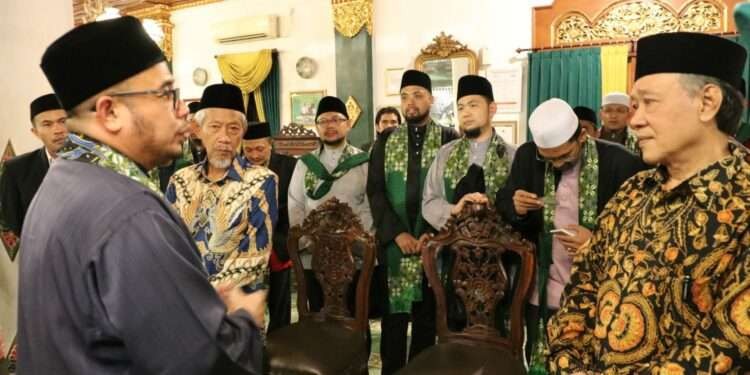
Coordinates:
(418, 119)
(336, 142)
(219, 163)
(473, 133)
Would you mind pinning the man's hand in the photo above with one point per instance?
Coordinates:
(523, 202)
(254, 303)
(574, 243)
(407, 243)
(473, 197)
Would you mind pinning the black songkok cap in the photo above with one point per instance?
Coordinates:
(474, 85)
(97, 55)
(257, 130)
(585, 113)
(331, 104)
(43, 103)
(413, 77)
(194, 107)
(223, 95)
(691, 53)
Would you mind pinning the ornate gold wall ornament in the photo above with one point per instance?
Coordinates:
(349, 16)
(633, 19)
(91, 10)
(161, 14)
(353, 109)
(444, 46)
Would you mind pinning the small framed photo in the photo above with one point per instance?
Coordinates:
(304, 104)
(393, 81)
(508, 130)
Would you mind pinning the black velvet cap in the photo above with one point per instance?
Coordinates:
(413, 77)
(43, 103)
(585, 113)
(331, 104)
(194, 107)
(257, 130)
(223, 95)
(691, 53)
(94, 56)
(474, 85)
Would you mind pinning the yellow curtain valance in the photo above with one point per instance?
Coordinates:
(246, 70)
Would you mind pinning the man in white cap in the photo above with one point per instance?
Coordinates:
(615, 112)
(560, 181)
(663, 287)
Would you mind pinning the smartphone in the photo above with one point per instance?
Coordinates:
(566, 232)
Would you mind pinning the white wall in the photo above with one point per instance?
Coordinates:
(306, 29)
(27, 27)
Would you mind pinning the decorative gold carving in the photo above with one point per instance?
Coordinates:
(701, 16)
(296, 130)
(162, 15)
(634, 19)
(353, 109)
(349, 16)
(445, 47)
(91, 10)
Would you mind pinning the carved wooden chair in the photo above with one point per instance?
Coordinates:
(477, 239)
(332, 341)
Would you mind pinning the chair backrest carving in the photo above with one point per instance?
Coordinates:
(337, 240)
(478, 238)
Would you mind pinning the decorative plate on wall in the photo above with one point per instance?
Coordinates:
(306, 67)
(200, 76)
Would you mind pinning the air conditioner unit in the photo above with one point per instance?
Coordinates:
(246, 29)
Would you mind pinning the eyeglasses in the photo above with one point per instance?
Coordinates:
(568, 156)
(330, 121)
(173, 93)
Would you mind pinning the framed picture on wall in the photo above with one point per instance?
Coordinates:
(507, 130)
(393, 81)
(304, 104)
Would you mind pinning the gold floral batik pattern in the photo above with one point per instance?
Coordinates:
(664, 285)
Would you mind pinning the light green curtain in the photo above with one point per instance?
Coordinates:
(270, 92)
(573, 75)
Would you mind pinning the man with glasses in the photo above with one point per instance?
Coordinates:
(229, 207)
(615, 113)
(559, 181)
(337, 169)
(401, 157)
(125, 292)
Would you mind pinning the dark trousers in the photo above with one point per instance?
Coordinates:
(532, 327)
(279, 300)
(394, 328)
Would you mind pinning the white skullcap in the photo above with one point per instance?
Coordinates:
(552, 123)
(616, 98)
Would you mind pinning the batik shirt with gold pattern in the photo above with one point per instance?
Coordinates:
(231, 219)
(664, 285)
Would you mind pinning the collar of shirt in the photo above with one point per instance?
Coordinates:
(50, 159)
(330, 156)
(233, 172)
(719, 172)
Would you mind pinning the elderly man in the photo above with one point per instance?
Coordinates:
(125, 292)
(23, 174)
(337, 169)
(615, 112)
(258, 149)
(401, 157)
(229, 208)
(560, 180)
(662, 287)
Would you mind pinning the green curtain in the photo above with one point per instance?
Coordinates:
(271, 96)
(573, 75)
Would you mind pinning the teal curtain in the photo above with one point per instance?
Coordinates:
(573, 75)
(270, 89)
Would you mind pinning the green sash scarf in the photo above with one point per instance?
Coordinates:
(317, 172)
(405, 272)
(588, 184)
(631, 143)
(90, 151)
(495, 167)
